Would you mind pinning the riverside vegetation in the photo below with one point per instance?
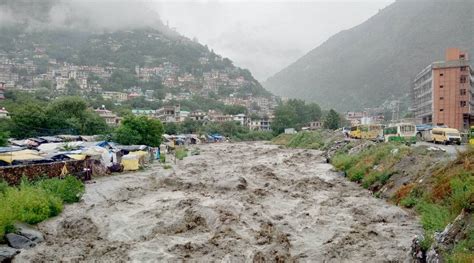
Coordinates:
(426, 181)
(33, 202)
(438, 194)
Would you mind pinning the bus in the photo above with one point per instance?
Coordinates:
(445, 136)
(355, 132)
(402, 132)
(371, 132)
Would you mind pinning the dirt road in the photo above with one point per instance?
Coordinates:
(232, 203)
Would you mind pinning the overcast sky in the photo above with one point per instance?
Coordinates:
(265, 36)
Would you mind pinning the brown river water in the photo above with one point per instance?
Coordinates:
(240, 202)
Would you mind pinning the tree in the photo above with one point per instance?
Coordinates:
(72, 113)
(139, 130)
(4, 138)
(314, 112)
(72, 88)
(285, 117)
(332, 120)
(189, 126)
(29, 120)
(170, 128)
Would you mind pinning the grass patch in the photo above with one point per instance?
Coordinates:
(181, 153)
(282, 139)
(162, 158)
(434, 217)
(307, 140)
(69, 189)
(167, 166)
(253, 136)
(34, 202)
(371, 165)
(464, 250)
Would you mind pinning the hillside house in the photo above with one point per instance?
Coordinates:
(4, 114)
(169, 113)
(109, 117)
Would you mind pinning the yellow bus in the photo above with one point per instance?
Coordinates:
(371, 132)
(355, 132)
(445, 136)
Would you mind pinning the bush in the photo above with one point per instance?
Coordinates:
(69, 189)
(181, 153)
(462, 192)
(253, 136)
(162, 158)
(343, 162)
(7, 217)
(34, 202)
(434, 217)
(31, 204)
(409, 202)
(308, 140)
(3, 187)
(464, 250)
(357, 172)
(167, 166)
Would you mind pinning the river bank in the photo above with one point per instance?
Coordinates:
(435, 182)
(232, 202)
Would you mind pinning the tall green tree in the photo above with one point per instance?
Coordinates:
(72, 88)
(139, 130)
(332, 120)
(29, 120)
(4, 138)
(295, 114)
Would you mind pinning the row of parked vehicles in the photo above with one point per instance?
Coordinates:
(409, 133)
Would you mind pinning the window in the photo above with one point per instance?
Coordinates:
(462, 56)
(441, 98)
(441, 109)
(441, 74)
(463, 92)
(463, 68)
(462, 103)
(441, 86)
(463, 79)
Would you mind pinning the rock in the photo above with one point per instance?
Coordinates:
(29, 232)
(18, 241)
(7, 253)
(432, 256)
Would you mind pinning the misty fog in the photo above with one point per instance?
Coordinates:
(263, 36)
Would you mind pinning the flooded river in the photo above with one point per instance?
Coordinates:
(241, 202)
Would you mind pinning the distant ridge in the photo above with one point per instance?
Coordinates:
(376, 60)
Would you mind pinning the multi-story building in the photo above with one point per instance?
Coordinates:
(169, 113)
(355, 118)
(114, 96)
(443, 92)
(109, 117)
(261, 124)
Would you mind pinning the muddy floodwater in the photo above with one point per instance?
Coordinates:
(241, 202)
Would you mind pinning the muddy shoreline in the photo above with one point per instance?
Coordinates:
(238, 202)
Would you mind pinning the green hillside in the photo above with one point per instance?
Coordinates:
(376, 61)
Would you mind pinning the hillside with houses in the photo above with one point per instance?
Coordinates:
(142, 71)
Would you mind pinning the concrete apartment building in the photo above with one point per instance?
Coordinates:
(443, 92)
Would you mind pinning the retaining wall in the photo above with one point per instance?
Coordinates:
(13, 174)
